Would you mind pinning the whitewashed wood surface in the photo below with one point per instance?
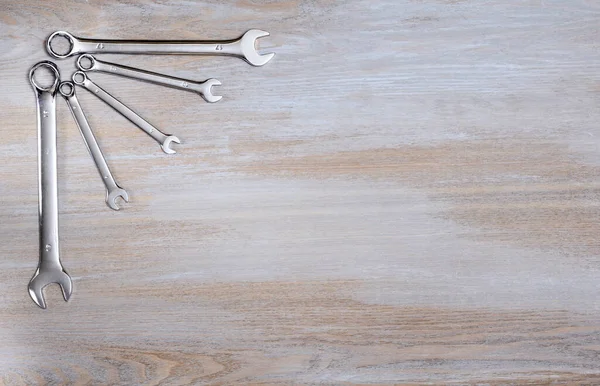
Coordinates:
(408, 193)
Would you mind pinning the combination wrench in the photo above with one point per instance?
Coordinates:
(113, 190)
(80, 78)
(87, 62)
(50, 269)
(243, 47)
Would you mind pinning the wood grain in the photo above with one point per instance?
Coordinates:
(409, 193)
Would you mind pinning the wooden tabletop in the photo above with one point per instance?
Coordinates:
(409, 192)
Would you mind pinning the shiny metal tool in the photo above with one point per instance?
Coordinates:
(243, 47)
(50, 269)
(80, 78)
(113, 190)
(87, 62)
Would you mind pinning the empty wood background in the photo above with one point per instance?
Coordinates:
(408, 193)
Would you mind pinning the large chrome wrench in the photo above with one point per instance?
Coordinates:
(243, 47)
(165, 140)
(113, 190)
(50, 269)
(87, 62)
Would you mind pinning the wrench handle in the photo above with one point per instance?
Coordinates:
(139, 74)
(125, 111)
(91, 143)
(165, 47)
(47, 179)
(160, 47)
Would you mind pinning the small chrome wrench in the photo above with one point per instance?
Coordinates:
(87, 62)
(50, 269)
(80, 78)
(243, 47)
(113, 190)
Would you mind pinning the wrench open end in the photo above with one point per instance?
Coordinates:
(207, 90)
(43, 277)
(167, 143)
(112, 195)
(248, 45)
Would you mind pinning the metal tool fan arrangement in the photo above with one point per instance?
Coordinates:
(50, 269)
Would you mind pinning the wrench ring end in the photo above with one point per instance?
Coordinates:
(70, 38)
(66, 89)
(84, 57)
(50, 65)
(79, 78)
